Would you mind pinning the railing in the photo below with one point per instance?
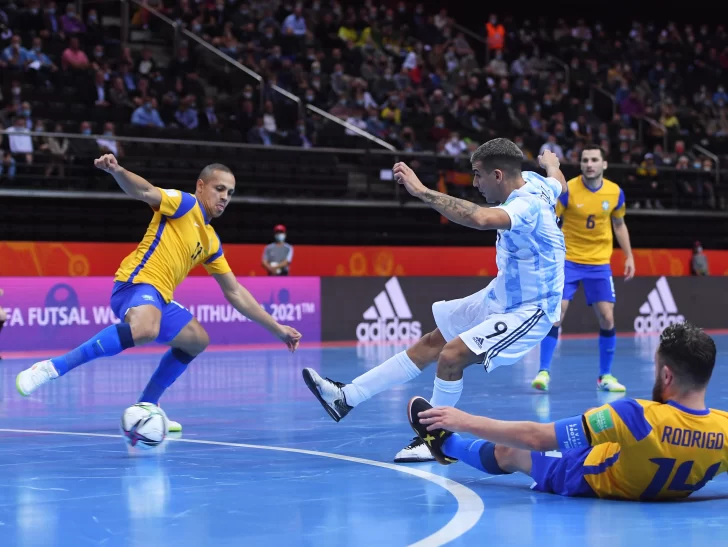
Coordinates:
(475, 36)
(612, 98)
(179, 31)
(564, 66)
(327, 177)
(715, 158)
(657, 125)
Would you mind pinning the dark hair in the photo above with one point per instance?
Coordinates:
(690, 354)
(595, 147)
(209, 171)
(500, 154)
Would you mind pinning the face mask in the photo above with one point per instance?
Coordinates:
(248, 95)
(589, 108)
(148, 106)
(37, 49)
(547, 102)
(506, 101)
(51, 11)
(699, 249)
(196, 28)
(34, 11)
(696, 165)
(92, 18)
(86, 132)
(26, 113)
(309, 98)
(280, 238)
(537, 108)
(707, 168)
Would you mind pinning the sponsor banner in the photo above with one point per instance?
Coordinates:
(23, 258)
(399, 309)
(58, 313)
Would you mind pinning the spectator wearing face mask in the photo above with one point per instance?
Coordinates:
(71, 22)
(277, 256)
(699, 262)
(147, 115)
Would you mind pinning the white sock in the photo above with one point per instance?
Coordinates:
(446, 393)
(394, 371)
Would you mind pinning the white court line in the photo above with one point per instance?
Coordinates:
(470, 506)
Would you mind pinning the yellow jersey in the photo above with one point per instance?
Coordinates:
(586, 216)
(178, 239)
(644, 450)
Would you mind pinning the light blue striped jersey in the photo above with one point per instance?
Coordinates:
(530, 256)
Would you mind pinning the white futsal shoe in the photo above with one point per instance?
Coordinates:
(172, 426)
(32, 378)
(414, 452)
(329, 393)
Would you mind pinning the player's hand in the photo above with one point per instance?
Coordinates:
(549, 159)
(406, 177)
(108, 163)
(289, 336)
(629, 268)
(445, 417)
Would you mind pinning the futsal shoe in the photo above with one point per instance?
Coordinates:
(414, 452)
(541, 381)
(172, 426)
(609, 383)
(329, 393)
(432, 439)
(32, 378)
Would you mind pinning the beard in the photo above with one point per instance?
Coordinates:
(658, 391)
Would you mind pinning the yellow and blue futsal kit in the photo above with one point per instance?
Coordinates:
(178, 238)
(634, 449)
(587, 225)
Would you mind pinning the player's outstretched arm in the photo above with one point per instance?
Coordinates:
(550, 162)
(525, 435)
(456, 210)
(241, 299)
(133, 185)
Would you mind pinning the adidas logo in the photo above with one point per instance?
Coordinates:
(659, 311)
(479, 341)
(389, 319)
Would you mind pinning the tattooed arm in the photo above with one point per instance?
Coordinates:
(466, 213)
(456, 210)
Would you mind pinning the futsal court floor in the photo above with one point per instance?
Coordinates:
(261, 464)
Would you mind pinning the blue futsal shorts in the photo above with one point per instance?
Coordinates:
(597, 281)
(561, 473)
(126, 296)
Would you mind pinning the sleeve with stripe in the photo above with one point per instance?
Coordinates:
(620, 422)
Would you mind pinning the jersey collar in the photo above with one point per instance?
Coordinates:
(593, 191)
(689, 410)
(204, 213)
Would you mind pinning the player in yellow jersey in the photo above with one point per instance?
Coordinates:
(590, 208)
(631, 449)
(178, 239)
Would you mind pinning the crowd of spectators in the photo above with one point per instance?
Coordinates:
(407, 76)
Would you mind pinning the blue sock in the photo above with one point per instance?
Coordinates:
(548, 346)
(607, 344)
(171, 367)
(110, 341)
(476, 453)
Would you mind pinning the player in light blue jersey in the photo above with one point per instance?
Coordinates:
(498, 325)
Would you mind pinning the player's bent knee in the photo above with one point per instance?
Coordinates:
(452, 358)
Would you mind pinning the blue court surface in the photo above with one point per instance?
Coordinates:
(260, 463)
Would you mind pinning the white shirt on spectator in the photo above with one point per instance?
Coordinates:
(269, 122)
(358, 122)
(22, 143)
(109, 145)
(455, 148)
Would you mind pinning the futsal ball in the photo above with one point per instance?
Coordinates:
(144, 425)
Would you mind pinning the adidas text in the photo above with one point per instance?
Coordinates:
(655, 324)
(388, 331)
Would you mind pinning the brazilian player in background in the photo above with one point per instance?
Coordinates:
(633, 449)
(178, 238)
(590, 208)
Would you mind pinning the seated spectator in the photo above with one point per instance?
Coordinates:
(259, 134)
(147, 115)
(71, 22)
(98, 94)
(15, 55)
(83, 149)
(455, 146)
(57, 149)
(209, 118)
(110, 146)
(118, 95)
(186, 115)
(552, 145)
(74, 58)
(21, 143)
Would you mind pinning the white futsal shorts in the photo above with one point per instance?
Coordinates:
(501, 338)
